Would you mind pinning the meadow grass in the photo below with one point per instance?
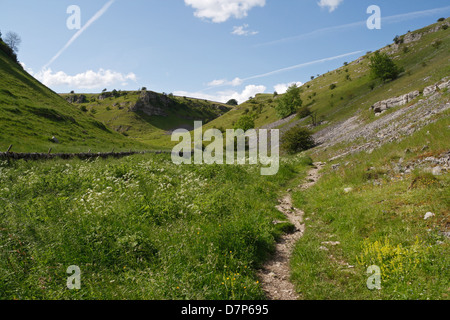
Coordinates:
(138, 227)
(380, 222)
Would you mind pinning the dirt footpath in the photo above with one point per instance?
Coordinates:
(275, 274)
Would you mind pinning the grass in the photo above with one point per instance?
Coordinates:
(138, 228)
(151, 130)
(31, 114)
(353, 88)
(380, 222)
(260, 108)
(142, 228)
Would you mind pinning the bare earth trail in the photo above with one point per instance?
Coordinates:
(275, 274)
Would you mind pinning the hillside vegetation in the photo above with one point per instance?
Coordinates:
(142, 227)
(31, 115)
(146, 116)
(339, 94)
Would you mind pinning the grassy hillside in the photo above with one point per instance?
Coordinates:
(113, 109)
(425, 61)
(369, 208)
(31, 114)
(374, 209)
(261, 108)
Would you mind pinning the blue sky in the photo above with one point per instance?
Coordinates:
(212, 49)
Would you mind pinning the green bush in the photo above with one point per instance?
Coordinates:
(383, 67)
(296, 140)
(245, 123)
(232, 102)
(290, 102)
(304, 112)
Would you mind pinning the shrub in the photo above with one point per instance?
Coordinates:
(245, 123)
(398, 40)
(232, 102)
(441, 19)
(333, 86)
(304, 112)
(296, 140)
(290, 102)
(8, 51)
(445, 27)
(436, 44)
(383, 67)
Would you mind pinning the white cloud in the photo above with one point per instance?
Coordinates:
(221, 10)
(331, 4)
(223, 82)
(282, 87)
(86, 80)
(216, 83)
(242, 31)
(225, 96)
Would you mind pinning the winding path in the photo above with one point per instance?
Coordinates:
(275, 274)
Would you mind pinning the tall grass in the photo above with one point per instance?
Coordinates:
(138, 228)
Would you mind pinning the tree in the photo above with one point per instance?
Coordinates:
(245, 123)
(290, 102)
(383, 67)
(232, 102)
(296, 140)
(13, 40)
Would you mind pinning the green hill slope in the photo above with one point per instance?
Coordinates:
(31, 114)
(147, 116)
(424, 54)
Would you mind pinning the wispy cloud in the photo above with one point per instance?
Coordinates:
(80, 32)
(224, 82)
(221, 83)
(302, 65)
(314, 33)
(243, 31)
(331, 4)
(389, 19)
(415, 14)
